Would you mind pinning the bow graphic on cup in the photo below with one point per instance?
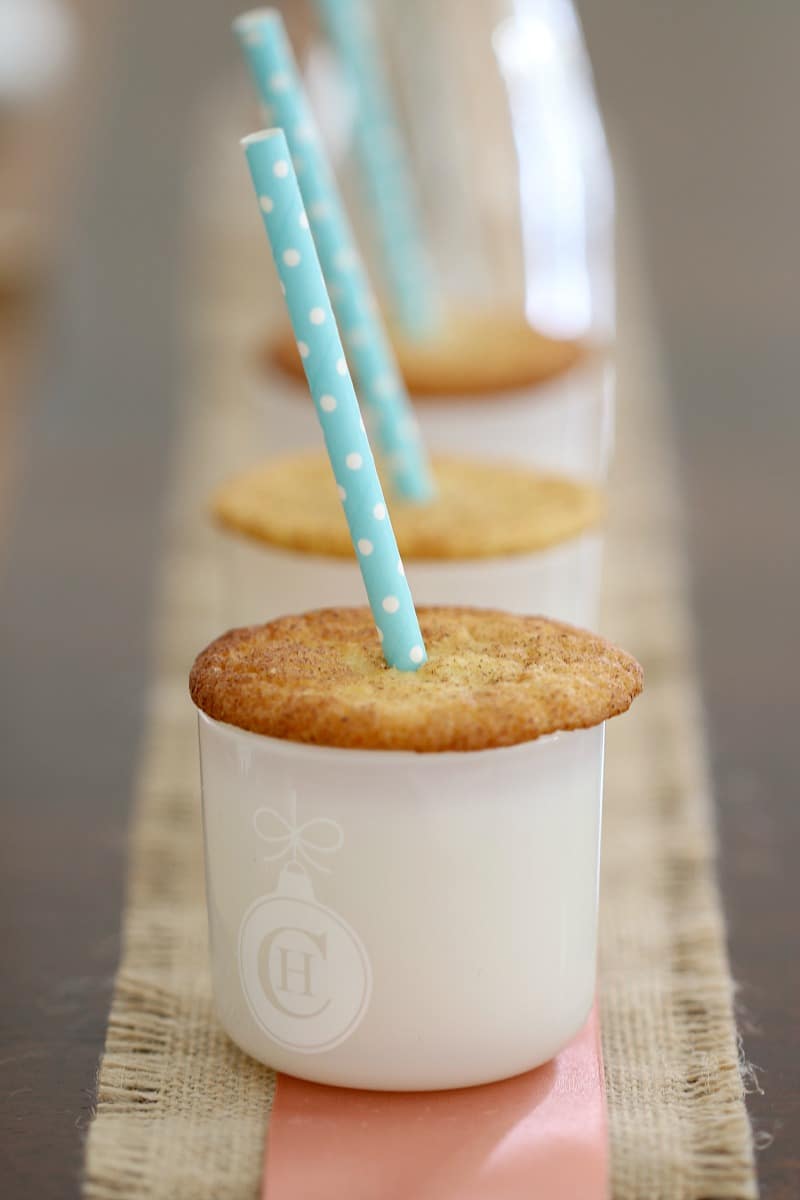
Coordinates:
(319, 835)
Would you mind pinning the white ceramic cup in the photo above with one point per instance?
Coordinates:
(565, 425)
(401, 921)
(263, 582)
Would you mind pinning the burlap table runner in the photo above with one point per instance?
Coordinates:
(181, 1113)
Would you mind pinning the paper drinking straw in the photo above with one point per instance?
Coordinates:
(263, 38)
(314, 325)
(385, 167)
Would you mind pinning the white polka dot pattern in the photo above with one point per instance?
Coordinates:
(336, 404)
(369, 352)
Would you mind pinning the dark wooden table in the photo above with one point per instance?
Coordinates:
(704, 98)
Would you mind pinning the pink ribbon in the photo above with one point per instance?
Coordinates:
(543, 1135)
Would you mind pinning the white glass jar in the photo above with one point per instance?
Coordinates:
(401, 921)
(563, 582)
(512, 181)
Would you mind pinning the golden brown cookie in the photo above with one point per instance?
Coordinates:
(492, 679)
(482, 510)
(475, 355)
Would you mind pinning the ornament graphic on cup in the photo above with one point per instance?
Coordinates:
(320, 835)
(304, 971)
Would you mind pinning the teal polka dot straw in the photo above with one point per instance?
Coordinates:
(385, 169)
(266, 46)
(314, 325)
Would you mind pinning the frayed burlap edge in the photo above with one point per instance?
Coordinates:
(181, 1114)
(675, 1082)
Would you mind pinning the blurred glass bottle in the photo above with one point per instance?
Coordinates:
(496, 103)
(492, 106)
